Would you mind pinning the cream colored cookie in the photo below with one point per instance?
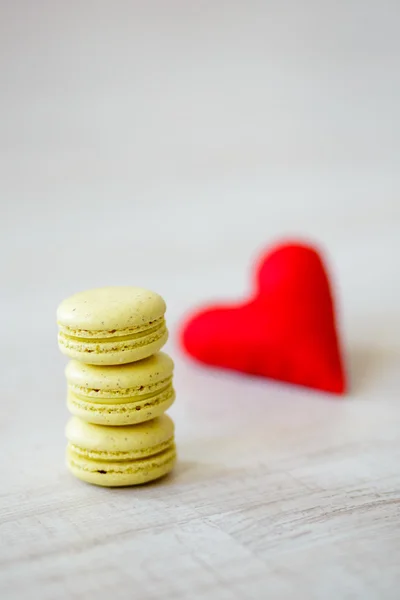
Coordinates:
(120, 395)
(112, 325)
(119, 456)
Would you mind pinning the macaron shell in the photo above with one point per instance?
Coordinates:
(142, 437)
(121, 413)
(139, 374)
(117, 474)
(110, 308)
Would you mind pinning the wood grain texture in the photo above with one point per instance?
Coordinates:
(161, 147)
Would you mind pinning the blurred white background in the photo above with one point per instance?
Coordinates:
(165, 144)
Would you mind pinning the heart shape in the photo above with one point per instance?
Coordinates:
(285, 331)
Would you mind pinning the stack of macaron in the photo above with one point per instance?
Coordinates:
(119, 386)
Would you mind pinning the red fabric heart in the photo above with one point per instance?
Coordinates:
(286, 331)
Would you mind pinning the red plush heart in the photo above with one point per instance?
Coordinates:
(285, 331)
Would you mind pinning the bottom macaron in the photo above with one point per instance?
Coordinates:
(120, 456)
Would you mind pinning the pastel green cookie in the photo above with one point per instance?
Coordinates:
(121, 395)
(112, 325)
(119, 456)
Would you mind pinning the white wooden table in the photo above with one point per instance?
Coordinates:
(165, 145)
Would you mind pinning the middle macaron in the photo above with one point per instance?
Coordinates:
(121, 395)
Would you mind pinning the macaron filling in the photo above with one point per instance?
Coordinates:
(140, 392)
(120, 456)
(126, 405)
(119, 466)
(115, 341)
(104, 334)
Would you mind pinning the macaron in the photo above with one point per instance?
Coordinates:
(120, 456)
(123, 394)
(112, 325)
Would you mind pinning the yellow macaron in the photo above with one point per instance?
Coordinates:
(120, 456)
(112, 325)
(123, 394)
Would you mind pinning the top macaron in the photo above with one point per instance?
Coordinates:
(112, 325)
